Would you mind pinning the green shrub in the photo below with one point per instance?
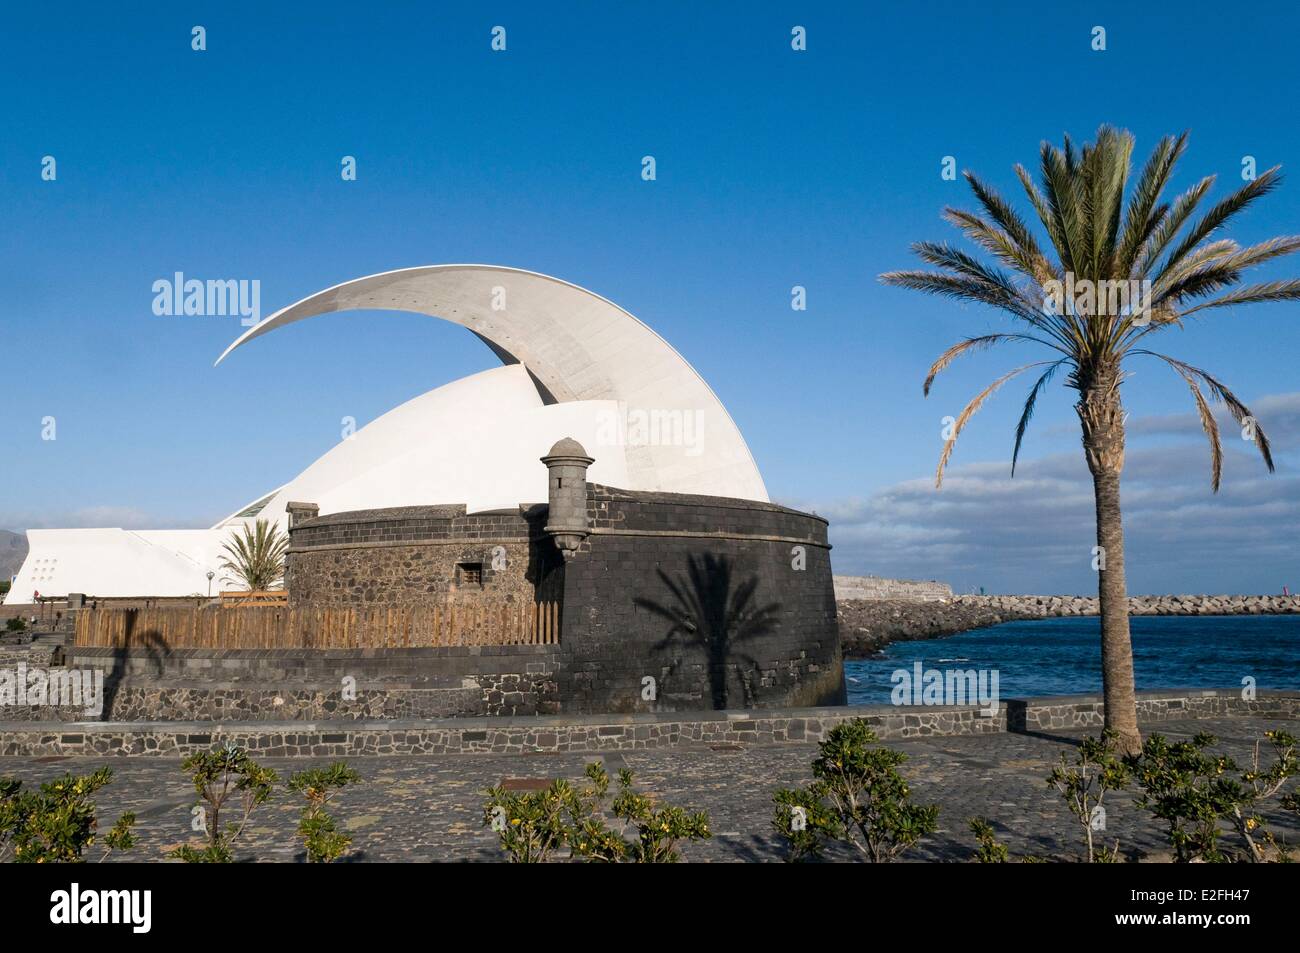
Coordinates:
(324, 842)
(533, 825)
(57, 823)
(857, 797)
(220, 776)
(1200, 796)
(1096, 771)
(991, 850)
(16, 624)
(655, 831)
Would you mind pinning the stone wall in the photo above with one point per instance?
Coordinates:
(1066, 712)
(413, 556)
(723, 603)
(307, 685)
(875, 587)
(591, 733)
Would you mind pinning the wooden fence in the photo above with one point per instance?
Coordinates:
(268, 627)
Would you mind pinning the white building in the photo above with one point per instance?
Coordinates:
(574, 365)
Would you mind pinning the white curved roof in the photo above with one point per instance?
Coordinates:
(579, 347)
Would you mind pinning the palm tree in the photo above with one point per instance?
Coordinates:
(256, 556)
(1170, 268)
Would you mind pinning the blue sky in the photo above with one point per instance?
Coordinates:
(775, 168)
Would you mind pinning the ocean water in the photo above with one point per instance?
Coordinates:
(1063, 656)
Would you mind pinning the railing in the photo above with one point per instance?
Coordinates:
(269, 627)
(254, 597)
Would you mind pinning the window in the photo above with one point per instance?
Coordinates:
(469, 574)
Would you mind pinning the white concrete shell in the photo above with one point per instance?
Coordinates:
(579, 346)
(576, 366)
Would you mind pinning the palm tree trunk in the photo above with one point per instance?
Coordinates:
(1102, 416)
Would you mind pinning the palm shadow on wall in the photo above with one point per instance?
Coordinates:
(155, 647)
(711, 611)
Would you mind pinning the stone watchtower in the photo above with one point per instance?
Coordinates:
(566, 517)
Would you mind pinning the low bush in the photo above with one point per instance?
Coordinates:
(534, 825)
(56, 824)
(857, 797)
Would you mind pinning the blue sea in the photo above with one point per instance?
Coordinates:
(1063, 656)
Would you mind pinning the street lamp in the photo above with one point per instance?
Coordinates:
(210, 575)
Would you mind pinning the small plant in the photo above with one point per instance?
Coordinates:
(16, 624)
(532, 826)
(1196, 794)
(991, 850)
(57, 823)
(219, 776)
(655, 831)
(857, 797)
(324, 842)
(1084, 786)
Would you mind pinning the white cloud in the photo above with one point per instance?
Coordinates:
(1035, 533)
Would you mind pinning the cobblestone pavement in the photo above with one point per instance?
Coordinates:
(429, 808)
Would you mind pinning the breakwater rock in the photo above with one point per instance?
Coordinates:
(868, 625)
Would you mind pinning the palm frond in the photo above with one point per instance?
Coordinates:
(1240, 412)
(1220, 213)
(1182, 209)
(1288, 290)
(1044, 211)
(969, 411)
(1028, 412)
(1209, 425)
(1063, 202)
(1143, 214)
(980, 343)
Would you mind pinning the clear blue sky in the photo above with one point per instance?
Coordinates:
(775, 168)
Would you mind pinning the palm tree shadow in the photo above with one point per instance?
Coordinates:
(151, 641)
(709, 611)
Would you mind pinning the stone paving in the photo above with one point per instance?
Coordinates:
(428, 808)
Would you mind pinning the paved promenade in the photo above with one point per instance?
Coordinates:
(428, 808)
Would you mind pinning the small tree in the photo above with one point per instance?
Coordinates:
(57, 823)
(1084, 785)
(655, 831)
(857, 797)
(255, 556)
(219, 776)
(1196, 794)
(324, 842)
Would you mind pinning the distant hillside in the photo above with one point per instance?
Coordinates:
(13, 550)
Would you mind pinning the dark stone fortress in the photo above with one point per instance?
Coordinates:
(665, 601)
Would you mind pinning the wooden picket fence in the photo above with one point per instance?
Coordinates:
(270, 627)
